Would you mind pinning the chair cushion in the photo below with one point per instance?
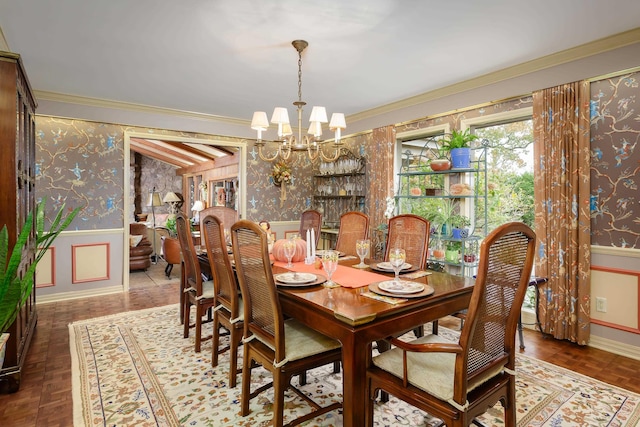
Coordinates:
(302, 341)
(240, 317)
(431, 372)
(207, 290)
(134, 240)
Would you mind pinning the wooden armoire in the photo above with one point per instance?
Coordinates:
(17, 198)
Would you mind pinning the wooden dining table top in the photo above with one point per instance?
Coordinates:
(352, 305)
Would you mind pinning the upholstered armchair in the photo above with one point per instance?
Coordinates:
(140, 249)
(171, 253)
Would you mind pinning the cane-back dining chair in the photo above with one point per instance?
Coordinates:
(197, 292)
(283, 347)
(226, 215)
(308, 220)
(228, 311)
(411, 233)
(458, 380)
(354, 226)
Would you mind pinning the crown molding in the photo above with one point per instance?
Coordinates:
(129, 106)
(573, 54)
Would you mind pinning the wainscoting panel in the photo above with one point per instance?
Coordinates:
(621, 292)
(90, 262)
(46, 269)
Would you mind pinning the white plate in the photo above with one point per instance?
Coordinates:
(322, 251)
(295, 277)
(387, 266)
(405, 287)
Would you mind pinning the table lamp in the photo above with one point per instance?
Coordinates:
(198, 205)
(172, 200)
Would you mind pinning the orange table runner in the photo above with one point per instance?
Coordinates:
(348, 277)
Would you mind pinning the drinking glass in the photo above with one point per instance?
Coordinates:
(362, 249)
(330, 265)
(397, 257)
(289, 251)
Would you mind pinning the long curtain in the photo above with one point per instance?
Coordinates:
(383, 142)
(562, 217)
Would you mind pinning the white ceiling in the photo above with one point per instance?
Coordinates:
(230, 58)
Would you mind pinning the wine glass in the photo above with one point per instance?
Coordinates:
(397, 257)
(362, 249)
(330, 265)
(289, 251)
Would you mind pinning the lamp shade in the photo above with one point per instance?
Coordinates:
(171, 197)
(259, 121)
(318, 114)
(280, 115)
(198, 205)
(337, 121)
(286, 129)
(154, 199)
(315, 129)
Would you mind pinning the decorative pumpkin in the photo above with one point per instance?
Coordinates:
(278, 250)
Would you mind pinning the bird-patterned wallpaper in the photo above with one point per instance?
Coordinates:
(615, 161)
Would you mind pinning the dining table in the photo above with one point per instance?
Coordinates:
(357, 317)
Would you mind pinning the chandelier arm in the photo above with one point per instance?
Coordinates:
(313, 149)
(264, 156)
(336, 154)
(285, 153)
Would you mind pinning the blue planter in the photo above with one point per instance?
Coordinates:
(457, 233)
(461, 158)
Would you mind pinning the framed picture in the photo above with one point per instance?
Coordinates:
(289, 234)
(221, 196)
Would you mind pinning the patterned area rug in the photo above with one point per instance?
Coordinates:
(135, 369)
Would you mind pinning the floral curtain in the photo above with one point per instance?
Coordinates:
(561, 178)
(380, 181)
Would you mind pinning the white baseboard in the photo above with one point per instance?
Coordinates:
(615, 347)
(65, 296)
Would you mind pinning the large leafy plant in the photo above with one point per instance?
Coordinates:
(458, 139)
(15, 290)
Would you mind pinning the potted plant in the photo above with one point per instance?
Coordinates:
(458, 144)
(458, 222)
(452, 252)
(470, 251)
(14, 290)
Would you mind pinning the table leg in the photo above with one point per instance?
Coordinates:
(356, 356)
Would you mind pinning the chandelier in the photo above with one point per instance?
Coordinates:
(287, 142)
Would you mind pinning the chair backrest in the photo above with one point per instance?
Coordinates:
(227, 215)
(411, 233)
(192, 272)
(488, 334)
(308, 220)
(224, 281)
(354, 226)
(262, 314)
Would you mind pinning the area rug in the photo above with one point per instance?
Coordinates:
(135, 369)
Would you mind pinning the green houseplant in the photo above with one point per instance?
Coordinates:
(458, 143)
(15, 290)
(458, 222)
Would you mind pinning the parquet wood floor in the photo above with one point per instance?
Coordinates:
(44, 398)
